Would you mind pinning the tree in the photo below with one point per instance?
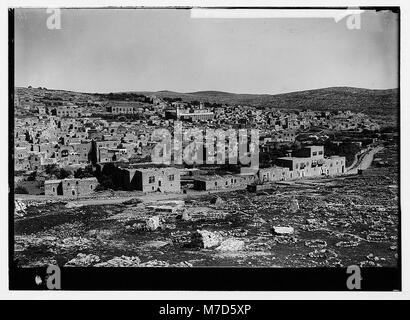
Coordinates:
(54, 170)
(87, 172)
(62, 174)
(32, 176)
(51, 169)
(347, 150)
(20, 190)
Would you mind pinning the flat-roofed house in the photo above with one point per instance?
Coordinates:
(124, 107)
(69, 111)
(156, 179)
(273, 174)
(311, 162)
(216, 182)
(70, 187)
(53, 188)
(145, 179)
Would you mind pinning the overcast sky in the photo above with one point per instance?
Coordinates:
(104, 50)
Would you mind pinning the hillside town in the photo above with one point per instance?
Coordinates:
(52, 134)
(90, 156)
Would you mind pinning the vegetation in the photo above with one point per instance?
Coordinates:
(172, 99)
(347, 150)
(81, 173)
(54, 170)
(32, 176)
(125, 96)
(20, 190)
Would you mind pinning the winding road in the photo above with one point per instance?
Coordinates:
(364, 160)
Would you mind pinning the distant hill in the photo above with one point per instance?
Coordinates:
(209, 96)
(383, 103)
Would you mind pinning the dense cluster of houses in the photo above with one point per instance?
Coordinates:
(78, 134)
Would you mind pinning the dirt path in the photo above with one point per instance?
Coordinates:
(364, 160)
(367, 159)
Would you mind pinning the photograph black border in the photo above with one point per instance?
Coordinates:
(198, 278)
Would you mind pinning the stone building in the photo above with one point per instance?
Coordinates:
(69, 111)
(146, 179)
(217, 182)
(156, 179)
(273, 174)
(122, 107)
(35, 161)
(310, 162)
(196, 116)
(70, 187)
(41, 110)
(83, 150)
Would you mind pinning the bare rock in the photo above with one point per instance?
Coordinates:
(294, 206)
(153, 223)
(317, 243)
(154, 263)
(83, 260)
(182, 264)
(160, 263)
(73, 242)
(71, 205)
(156, 244)
(231, 245)
(283, 230)
(206, 239)
(123, 261)
(218, 202)
(19, 208)
(186, 216)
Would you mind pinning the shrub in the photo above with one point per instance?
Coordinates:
(32, 176)
(20, 190)
(84, 173)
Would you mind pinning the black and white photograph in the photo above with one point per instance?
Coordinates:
(177, 147)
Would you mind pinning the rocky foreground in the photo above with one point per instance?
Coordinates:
(324, 222)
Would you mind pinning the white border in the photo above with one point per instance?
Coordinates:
(177, 295)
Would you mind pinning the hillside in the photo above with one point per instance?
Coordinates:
(318, 98)
(383, 104)
(377, 103)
